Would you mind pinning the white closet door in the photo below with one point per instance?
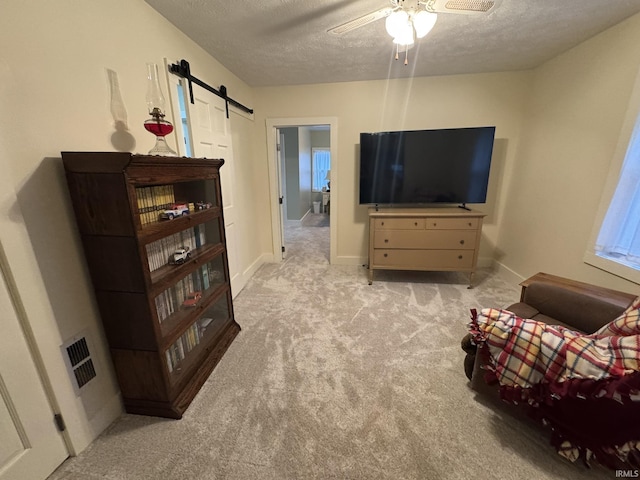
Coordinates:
(30, 444)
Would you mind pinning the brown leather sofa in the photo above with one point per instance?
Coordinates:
(557, 301)
(578, 306)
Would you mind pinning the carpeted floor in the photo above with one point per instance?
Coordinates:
(315, 220)
(331, 378)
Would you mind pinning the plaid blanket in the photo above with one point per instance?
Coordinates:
(524, 353)
(586, 387)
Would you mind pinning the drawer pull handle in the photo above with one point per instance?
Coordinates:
(381, 223)
(385, 255)
(461, 242)
(386, 240)
(434, 224)
(416, 224)
(470, 224)
(459, 257)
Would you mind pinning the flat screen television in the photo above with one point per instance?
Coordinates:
(425, 166)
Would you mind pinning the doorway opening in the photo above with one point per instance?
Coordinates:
(302, 164)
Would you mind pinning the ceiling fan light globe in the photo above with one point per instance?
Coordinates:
(405, 37)
(423, 22)
(396, 21)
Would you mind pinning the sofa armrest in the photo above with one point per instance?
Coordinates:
(622, 299)
(580, 306)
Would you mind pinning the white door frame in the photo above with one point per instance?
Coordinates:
(282, 184)
(272, 126)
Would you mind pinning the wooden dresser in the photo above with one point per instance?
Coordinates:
(428, 239)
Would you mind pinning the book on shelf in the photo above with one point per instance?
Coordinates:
(205, 277)
(151, 201)
(181, 348)
(201, 279)
(160, 251)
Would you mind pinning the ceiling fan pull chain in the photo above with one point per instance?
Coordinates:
(406, 56)
(397, 47)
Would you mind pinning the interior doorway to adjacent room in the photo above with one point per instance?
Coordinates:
(301, 155)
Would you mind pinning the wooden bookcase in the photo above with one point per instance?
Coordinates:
(167, 324)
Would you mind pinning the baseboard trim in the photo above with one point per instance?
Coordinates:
(250, 271)
(486, 262)
(111, 410)
(350, 260)
(507, 274)
(305, 215)
(253, 268)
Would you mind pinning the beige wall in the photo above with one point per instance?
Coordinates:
(457, 101)
(577, 106)
(54, 96)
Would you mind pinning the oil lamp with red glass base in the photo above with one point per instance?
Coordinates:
(157, 124)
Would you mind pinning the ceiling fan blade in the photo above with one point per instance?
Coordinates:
(360, 21)
(467, 7)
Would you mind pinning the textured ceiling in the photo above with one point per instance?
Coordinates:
(285, 42)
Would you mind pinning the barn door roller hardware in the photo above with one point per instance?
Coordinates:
(183, 70)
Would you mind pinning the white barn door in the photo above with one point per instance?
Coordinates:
(211, 138)
(30, 444)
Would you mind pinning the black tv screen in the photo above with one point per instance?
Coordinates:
(426, 166)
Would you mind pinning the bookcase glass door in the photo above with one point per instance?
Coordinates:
(158, 203)
(178, 248)
(190, 345)
(185, 296)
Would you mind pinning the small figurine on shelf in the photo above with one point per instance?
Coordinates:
(203, 205)
(175, 210)
(203, 323)
(180, 256)
(192, 299)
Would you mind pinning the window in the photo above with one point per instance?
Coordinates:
(615, 241)
(320, 167)
(619, 236)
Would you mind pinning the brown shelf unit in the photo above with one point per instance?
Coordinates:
(167, 325)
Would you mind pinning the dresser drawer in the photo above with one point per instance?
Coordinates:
(424, 259)
(452, 223)
(399, 223)
(425, 239)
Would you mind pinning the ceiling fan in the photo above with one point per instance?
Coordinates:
(408, 19)
(415, 7)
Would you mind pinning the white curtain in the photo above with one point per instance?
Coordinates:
(321, 165)
(619, 237)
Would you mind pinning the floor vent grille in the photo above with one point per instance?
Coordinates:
(79, 362)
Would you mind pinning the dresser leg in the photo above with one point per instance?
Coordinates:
(471, 275)
(370, 275)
